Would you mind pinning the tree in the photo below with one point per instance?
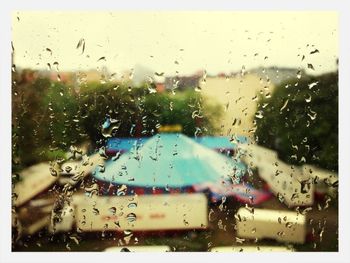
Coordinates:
(300, 121)
(138, 111)
(44, 119)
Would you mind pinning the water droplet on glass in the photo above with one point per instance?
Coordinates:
(159, 74)
(308, 99)
(56, 65)
(81, 44)
(259, 114)
(243, 71)
(95, 211)
(109, 127)
(310, 66)
(315, 51)
(312, 115)
(284, 105)
(280, 197)
(49, 50)
(112, 210)
(198, 89)
(127, 232)
(131, 217)
(313, 84)
(132, 205)
(299, 74)
(289, 224)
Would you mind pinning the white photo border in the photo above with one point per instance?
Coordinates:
(343, 10)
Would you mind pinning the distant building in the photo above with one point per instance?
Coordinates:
(182, 82)
(238, 95)
(276, 75)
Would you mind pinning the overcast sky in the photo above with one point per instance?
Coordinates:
(176, 41)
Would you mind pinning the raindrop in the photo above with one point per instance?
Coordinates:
(132, 205)
(281, 233)
(299, 74)
(284, 105)
(95, 211)
(101, 58)
(314, 51)
(243, 71)
(259, 114)
(198, 89)
(308, 99)
(227, 105)
(312, 115)
(289, 224)
(109, 127)
(152, 90)
(249, 209)
(92, 189)
(101, 168)
(116, 157)
(280, 197)
(53, 171)
(240, 240)
(49, 50)
(81, 43)
(306, 210)
(131, 217)
(313, 84)
(305, 186)
(211, 215)
(75, 239)
(122, 190)
(68, 169)
(310, 66)
(131, 74)
(56, 65)
(127, 232)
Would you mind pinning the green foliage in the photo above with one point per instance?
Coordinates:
(43, 115)
(305, 127)
(48, 117)
(139, 111)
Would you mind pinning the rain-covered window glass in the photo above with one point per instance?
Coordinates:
(174, 131)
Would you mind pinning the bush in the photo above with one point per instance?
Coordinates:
(301, 121)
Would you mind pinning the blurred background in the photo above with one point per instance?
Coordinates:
(231, 119)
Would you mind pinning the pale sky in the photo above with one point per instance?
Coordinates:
(176, 41)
